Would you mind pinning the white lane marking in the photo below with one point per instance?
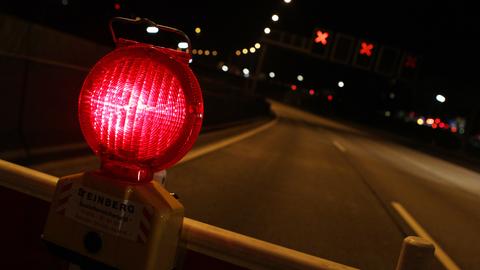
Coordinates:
(93, 161)
(339, 146)
(203, 150)
(446, 261)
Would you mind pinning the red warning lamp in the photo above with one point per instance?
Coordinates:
(366, 48)
(321, 37)
(329, 97)
(140, 109)
(410, 61)
(293, 87)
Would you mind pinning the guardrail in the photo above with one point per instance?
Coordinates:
(219, 243)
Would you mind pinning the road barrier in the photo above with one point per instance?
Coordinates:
(224, 245)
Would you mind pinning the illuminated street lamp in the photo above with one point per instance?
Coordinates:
(341, 84)
(246, 72)
(152, 29)
(440, 98)
(300, 78)
(275, 18)
(267, 30)
(181, 45)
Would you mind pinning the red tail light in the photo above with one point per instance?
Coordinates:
(140, 110)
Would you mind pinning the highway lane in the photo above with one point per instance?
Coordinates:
(327, 189)
(444, 198)
(291, 187)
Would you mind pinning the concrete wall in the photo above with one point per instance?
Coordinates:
(41, 73)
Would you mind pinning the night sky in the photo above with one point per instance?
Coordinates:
(421, 25)
(444, 33)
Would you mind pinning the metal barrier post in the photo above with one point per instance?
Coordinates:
(416, 254)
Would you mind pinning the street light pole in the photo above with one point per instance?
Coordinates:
(440, 98)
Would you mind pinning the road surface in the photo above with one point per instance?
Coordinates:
(330, 190)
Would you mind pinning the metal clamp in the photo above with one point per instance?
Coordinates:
(148, 22)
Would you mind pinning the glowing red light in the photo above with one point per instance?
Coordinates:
(366, 48)
(434, 126)
(140, 110)
(453, 129)
(441, 125)
(293, 87)
(410, 61)
(330, 97)
(117, 6)
(311, 92)
(321, 37)
(437, 120)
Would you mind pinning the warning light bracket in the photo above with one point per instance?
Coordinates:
(146, 21)
(94, 220)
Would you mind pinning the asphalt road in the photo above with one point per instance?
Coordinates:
(327, 189)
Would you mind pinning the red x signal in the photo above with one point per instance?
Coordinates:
(366, 49)
(321, 37)
(410, 61)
